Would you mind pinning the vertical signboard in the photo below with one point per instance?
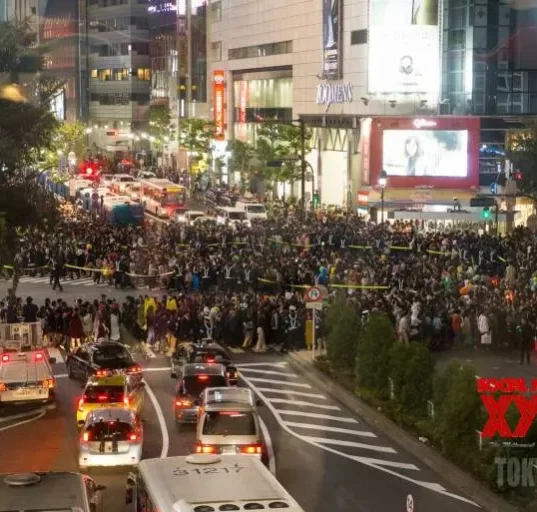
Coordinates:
(332, 28)
(219, 103)
(404, 46)
(365, 142)
(243, 103)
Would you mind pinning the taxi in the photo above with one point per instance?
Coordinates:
(115, 391)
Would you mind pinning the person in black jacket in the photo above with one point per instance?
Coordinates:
(29, 311)
(526, 334)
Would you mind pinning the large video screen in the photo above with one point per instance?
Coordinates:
(436, 153)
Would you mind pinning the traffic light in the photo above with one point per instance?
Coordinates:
(316, 200)
(486, 213)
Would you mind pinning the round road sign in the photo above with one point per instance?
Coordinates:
(410, 503)
(313, 294)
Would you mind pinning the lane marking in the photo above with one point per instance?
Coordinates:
(273, 381)
(269, 445)
(388, 463)
(270, 372)
(61, 376)
(19, 423)
(56, 353)
(88, 284)
(236, 350)
(317, 416)
(292, 392)
(325, 428)
(282, 364)
(160, 369)
(161, 421)
(435, 487)
(351, 444)
(305, 404)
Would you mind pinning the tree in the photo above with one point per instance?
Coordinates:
(196, 136)
(17, 50)
(522, 151)
(160, 125)
(242, 159)
(67, 137)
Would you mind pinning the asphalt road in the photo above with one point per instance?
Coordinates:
(325, 456)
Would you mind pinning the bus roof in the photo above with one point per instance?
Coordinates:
(161, 183)
(201, 479)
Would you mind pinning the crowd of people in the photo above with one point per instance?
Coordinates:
(245, 285)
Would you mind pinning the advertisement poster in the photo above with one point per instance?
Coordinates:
(332, 39)
(219, 103)
(365, 142)
(404, 46)
(436, 153)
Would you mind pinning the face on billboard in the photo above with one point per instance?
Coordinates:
(404, 46)
(435, 153)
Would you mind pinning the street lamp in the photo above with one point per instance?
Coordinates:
(383, 179)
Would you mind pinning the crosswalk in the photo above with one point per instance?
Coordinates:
(84, 281)
(319, 420)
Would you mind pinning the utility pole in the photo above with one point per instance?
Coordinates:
(303, 164)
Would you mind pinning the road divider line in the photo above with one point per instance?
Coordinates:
(269, 372)
(56, 353)
(305, 404)
(273, 381)
(434, 487)
(34, 417)
(292, 392)
(161, 421)
(325, 428)
(317, 416)
(61, 376)
(159, 369)
(269, 445)
(387, 463)
(352, 444)
(282, 364)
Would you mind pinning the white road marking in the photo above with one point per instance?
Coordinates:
(269, 445)
(161, 421)
(387, 463)
(56, 353)
(88, 284)
(33, 418)
(305, 404)
(435, 487)
(352, 444)
(269, 372)
(272, 381)
(281, 364)
(292, 392)
(326, 428)
(160, 369)
(61, 376)
(236, 350)
(317, 416)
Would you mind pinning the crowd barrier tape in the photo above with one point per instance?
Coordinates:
(344, 286)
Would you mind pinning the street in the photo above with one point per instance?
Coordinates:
(324, 455)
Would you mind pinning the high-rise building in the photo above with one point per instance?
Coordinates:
(119, 71)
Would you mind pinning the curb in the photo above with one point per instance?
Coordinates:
(451, 473)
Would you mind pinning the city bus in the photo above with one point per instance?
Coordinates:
(162, 197)
(208, 483)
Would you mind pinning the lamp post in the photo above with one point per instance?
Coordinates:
(383, 179)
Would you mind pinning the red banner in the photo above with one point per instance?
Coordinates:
(219, 105)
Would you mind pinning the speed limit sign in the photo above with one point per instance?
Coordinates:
(313, 294)
(410, 503)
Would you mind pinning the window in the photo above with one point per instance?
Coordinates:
(122, 74)
(216, 48)
(262, 50)
(359, 37)
(220, 423)
(104, 394)
(104, 74)
(216, 11)
(144, 74)
(93, 73)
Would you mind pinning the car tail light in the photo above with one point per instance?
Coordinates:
(38, 356)
(133, 437)
(80, 403)
(127, 401)
(102, 398)
(86, 437)
(251, 449)
(183, 403)
(48, 384)
(206, 448)
(211, 359)
(134, 369)
(203, 377)
(3, 387)
(5, 358)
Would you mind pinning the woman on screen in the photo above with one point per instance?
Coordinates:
(415, 161)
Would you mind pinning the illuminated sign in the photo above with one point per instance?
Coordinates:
(219, 103)
(162, 7)
(404, 47)
(423, 123)
(327, 94)
(365, 143)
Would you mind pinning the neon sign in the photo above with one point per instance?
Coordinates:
(423, 123)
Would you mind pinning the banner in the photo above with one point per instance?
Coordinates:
(404, 47)
(332, 39)
(243, 104)
(219, 104)
(365, 142)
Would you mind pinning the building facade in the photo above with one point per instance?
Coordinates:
(395, 85)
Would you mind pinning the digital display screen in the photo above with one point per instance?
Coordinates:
(433, 153)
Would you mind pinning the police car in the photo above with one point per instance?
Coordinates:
(26, 377)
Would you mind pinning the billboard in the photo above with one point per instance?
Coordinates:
(404, 47)
(433, 152)
(332, 28)
(219, 104)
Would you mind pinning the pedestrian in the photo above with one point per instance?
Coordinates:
(526, 337)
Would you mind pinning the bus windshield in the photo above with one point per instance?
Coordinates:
(257, 208)
(173, 198)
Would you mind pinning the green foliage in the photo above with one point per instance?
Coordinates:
(458, 413)
(523, 154)
(376, 340)
(343, 324)
(67, 137)
(160, 125)
(274, 141)
(196, 135)
(242, 159)
(16, 46)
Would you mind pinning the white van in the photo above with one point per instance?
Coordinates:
(227, 214)
(189, 216)
(253, 210)
(207, 483)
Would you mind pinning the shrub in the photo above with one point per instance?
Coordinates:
(343, 325)
(458, 412)
(373, 365)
